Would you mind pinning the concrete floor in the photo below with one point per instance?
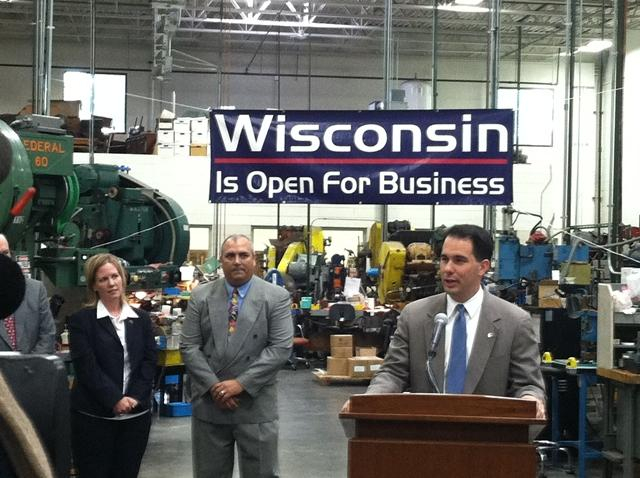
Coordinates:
(312, 441)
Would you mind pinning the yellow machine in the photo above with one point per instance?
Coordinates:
(299, 248)
(375, 241)
(289, 256)
(393, 257)
(405, 265)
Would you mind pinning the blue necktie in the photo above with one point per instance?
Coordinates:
(457, 368)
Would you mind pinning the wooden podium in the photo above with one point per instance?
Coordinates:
(443, 436)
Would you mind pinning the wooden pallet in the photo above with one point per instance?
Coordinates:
(322, 377)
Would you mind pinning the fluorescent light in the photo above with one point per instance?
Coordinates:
(467, 2)
(293, 24)
(596, 46)
(462, 8)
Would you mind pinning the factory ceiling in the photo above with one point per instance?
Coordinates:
(333, 26)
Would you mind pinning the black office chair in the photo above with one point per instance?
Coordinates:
(299, 351)
(342, 315)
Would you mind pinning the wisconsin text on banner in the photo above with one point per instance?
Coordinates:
(368, 157)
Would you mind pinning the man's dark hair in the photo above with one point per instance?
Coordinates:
(480, 239)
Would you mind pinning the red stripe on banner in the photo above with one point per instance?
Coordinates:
(475, 161)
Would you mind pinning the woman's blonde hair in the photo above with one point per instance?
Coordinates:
(91, 270)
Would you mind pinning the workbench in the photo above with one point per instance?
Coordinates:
(626, 432)
(586, 376)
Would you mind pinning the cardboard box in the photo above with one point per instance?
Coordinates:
(200, 138)
(342, 352)
(199, 150)
(181, 150)
(180, 137)
(547, 296)
(182, 125)
(337, 366)
(165, 123)
(164, 150)
(363, 367)
(338, 340)
(366, 351)
(57, 108)
(200, 125)
(165, 136)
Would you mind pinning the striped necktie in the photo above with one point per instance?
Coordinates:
(457, 369)
(233, 310)
(10, 325)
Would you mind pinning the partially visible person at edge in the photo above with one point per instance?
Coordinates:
(31, 328)
(502, 353)
(114, 357)
(22, 454)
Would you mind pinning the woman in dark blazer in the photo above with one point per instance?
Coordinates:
(114, 358)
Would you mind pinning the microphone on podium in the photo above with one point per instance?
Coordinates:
(439, 324)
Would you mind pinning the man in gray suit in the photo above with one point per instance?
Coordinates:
(31, 329)
(500, 345)
(236, 335)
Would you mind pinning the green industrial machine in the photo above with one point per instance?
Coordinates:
(60, 214)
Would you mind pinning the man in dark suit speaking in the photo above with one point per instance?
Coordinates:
(237, 334)
(489, 346)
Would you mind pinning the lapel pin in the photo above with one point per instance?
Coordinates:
(490, 335)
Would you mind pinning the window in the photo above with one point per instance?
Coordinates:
(110, 95)
(535, 126)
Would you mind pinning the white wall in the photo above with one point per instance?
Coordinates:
(336, 83)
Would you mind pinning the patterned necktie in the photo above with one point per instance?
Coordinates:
(10, 324)
(233, 311)
(457, 369)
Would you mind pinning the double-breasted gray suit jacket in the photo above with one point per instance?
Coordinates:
(35, 328)
(504, 359)
(252, 355)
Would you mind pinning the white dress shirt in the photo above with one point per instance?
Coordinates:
(119, 324)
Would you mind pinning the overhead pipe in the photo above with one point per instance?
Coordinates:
(388, 28)
(518, 84)
(434, 85)
(46, 80)
(38, 57)
(597, 197)
(388, 38)
(569, 75)
(489, 212)
(619, 50)
(92, 72)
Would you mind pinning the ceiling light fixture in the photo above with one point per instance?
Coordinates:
(596, 46)
(468, 2)
(449, 7)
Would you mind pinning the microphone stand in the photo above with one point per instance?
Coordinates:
(431, 378)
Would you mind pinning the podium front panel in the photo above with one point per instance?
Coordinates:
(392, 458)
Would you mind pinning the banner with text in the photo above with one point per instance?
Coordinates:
(362, 157)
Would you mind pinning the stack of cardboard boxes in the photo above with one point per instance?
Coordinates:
(183, 137)
(343, 363)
